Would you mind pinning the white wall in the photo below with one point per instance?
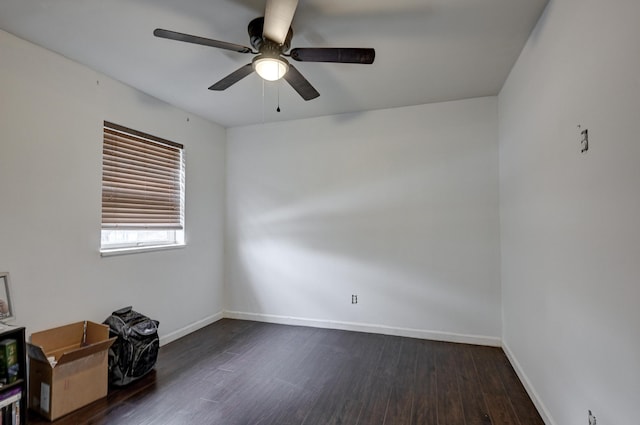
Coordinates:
(51, 114)
(569, 221)
(397, 206)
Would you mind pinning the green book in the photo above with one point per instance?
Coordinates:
(9, 366)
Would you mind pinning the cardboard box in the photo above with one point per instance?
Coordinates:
(68, 368)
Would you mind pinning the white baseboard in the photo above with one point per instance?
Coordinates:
(364, 327)
(165, 339)
(537, 401)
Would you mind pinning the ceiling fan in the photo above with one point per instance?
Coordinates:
(270, 36)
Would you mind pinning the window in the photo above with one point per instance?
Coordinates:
(142, 191)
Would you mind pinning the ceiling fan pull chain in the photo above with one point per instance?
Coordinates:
(278, 108)
(262, 101)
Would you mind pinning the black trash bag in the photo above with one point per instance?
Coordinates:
(135, 352)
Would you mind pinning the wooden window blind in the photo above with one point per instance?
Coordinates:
(142, 180)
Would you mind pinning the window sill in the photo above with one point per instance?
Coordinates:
(138, 249)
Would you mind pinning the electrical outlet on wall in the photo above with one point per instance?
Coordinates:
(584, 139)
(354, 299)
(592, 419)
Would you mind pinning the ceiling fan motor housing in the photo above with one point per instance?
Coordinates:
(264, 45)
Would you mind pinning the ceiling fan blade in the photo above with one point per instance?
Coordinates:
(232, 78)
(277, 19)
(178, 36)
(300, 84)
(328, 54)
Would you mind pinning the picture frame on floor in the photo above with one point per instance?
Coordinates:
(6, 307)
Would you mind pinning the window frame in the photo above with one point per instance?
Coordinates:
(143, 192)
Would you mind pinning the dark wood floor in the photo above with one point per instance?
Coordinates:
(247, 373)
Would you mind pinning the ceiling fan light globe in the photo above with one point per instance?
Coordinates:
(270, 69)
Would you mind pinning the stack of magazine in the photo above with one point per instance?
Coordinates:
(10, 406)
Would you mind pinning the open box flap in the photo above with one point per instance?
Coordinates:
(87, 350)
(96, 332)
(58, 338)
(37, 353)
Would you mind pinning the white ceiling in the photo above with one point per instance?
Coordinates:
(426, 50)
